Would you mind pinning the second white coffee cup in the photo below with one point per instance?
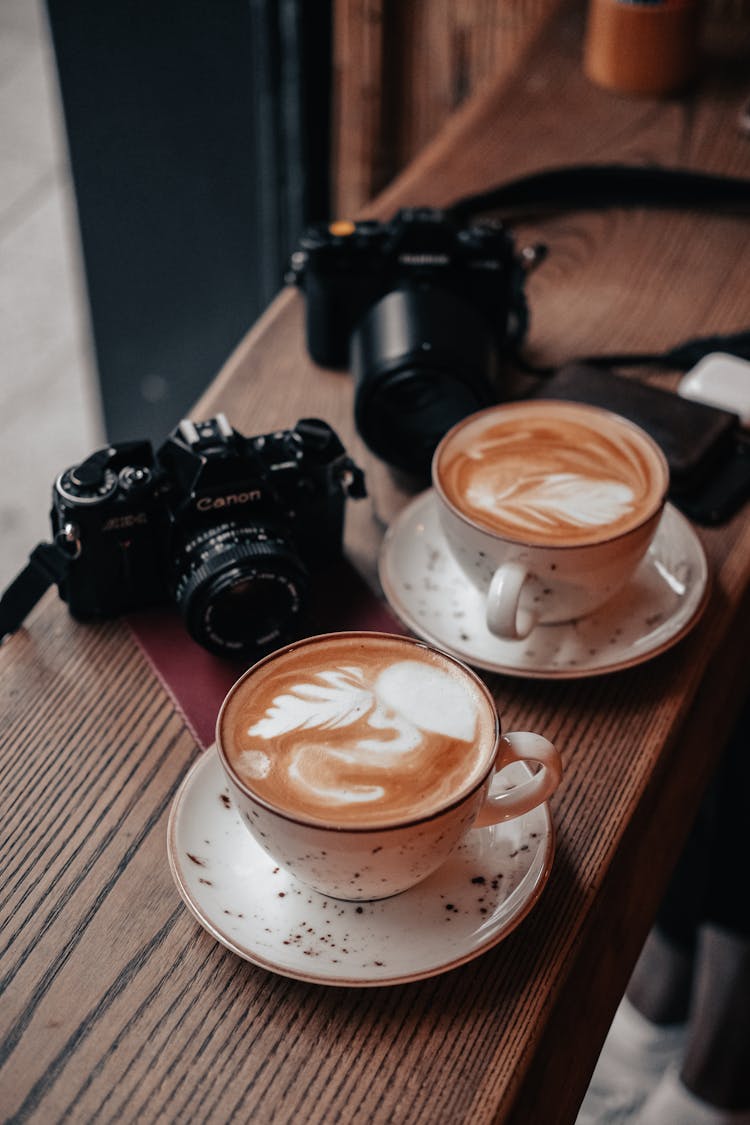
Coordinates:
(548, 507)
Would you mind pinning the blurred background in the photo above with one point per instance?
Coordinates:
(159, 161)
(49, 404)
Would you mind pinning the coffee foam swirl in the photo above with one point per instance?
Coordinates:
(375, 737)
(551, 472)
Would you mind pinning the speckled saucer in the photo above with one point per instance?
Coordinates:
(428, 591)
(265, 915)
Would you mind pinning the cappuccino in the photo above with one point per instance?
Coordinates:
(359, 730)
(551, 473)
(359, 761)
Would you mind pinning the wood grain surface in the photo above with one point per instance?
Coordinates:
(116, 1005)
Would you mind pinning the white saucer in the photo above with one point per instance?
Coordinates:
(263, 914)
(428, 591)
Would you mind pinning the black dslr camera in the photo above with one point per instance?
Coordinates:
(228, 527)
(424, 311)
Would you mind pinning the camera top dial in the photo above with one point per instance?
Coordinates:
(91, 482)
(105, 473)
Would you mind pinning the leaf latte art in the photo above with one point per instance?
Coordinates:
(551, 472)
(360, 737)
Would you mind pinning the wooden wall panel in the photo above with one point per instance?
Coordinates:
(401, 68)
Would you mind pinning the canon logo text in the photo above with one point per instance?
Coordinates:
(208, 503)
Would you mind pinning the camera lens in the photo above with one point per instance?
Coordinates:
(423, 358)
(240, 589)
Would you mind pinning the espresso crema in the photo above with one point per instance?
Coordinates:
(548, 472)
(359, 730)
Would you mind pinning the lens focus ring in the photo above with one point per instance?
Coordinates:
(245, 592)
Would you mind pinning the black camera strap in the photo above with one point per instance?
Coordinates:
(598, 186)
(681, 357)
(48, 563)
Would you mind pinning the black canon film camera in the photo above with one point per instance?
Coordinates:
(227, 527)
(424, 311)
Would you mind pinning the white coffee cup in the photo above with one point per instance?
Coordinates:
(359, 761)
(548, 507)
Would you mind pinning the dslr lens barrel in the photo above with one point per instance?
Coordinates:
(422, 359)
(241, 589)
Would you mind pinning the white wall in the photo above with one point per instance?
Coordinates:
(49, 413)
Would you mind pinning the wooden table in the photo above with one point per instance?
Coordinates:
(116, 1004)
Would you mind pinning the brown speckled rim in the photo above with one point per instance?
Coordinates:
(329, 826)
(579, 407)
(219, 934)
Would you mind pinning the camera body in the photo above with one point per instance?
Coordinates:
(424, 310)
(344, 268)
(226, 526)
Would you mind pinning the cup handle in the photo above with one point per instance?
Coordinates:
(504, 616)
(521, 746)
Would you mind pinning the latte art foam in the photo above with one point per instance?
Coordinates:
(359, 732)
(551, 472)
